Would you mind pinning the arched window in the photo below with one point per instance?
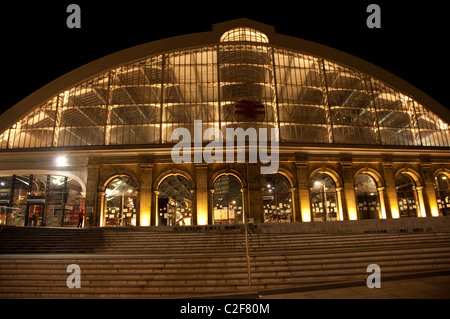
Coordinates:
(227, 200)
(324, 206)
(407, 196)
(367, 199)
(277, 202)
(174, 201)
(120, 199)
(443, 194)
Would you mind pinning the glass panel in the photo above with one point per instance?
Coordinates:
(367, 200)
(302, 100)
(352, 111)
(134, 111)
(120, 198)
(81, 116)
(229, 85)
(4, 140)
(406, 193)
(277, 203)
(433, 131)
(396, 117)
(443, 194)
(35, 129)
(175, 202)
(247, 87)
(227, 201)
(323, 198)
(190, 90)
(244, 34)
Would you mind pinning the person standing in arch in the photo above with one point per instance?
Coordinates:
(80, 219)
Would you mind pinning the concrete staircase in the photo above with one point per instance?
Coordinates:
(138, 263)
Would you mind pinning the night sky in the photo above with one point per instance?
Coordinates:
(38, 47)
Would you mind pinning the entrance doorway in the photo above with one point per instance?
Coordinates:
(175, 202)
(407, 197)
(120, 198)
(277, 202)
(324, 206)
(227, 201)
(367, 200)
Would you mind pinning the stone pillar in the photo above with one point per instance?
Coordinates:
(202, 194)
(255, 197)
(102, 209)
(154, 219)
(194, 220)
(430, 191)
(382, 203)
(339, 203)
(146, 195)
(92, 211)
(420, 201)
(138, 207)
(293, 203)
(304, 212)
(391, 191)
(210, 206)
(349, 191)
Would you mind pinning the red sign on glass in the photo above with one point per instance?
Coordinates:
(249, 109)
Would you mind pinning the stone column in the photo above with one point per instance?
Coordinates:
(339, 203)
(293, 203)
(154, 219)
(210, 206)
(430, 191)
(349, 191)
(194, 220)
(255, 197)
(382, 203)
(138, 208)
(391, 191)
(102, 208)
(92, 211)
(420, 201)
(146, 195)
(202, 194)
(304, 212)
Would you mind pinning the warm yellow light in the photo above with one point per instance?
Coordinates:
(202, 214)
(352, 213)
(394, 211)
(306, 214)
(145, 218)
(434, 210)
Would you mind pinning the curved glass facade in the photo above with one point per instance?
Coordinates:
(310, 99)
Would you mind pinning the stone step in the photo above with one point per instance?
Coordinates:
(143, 264)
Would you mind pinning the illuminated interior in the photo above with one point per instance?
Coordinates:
(311, 100)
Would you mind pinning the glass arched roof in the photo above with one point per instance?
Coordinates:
(310, 99)
(244, 34)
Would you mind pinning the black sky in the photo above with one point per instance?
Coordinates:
(38, 47)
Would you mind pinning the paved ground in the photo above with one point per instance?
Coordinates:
(433, 287)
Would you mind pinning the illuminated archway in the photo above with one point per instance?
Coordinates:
(174, 201)
(120, 202)
(408, 202)
(324, 199)
(367, 199)
(442, 185)
(277, 199)
(228, 205)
